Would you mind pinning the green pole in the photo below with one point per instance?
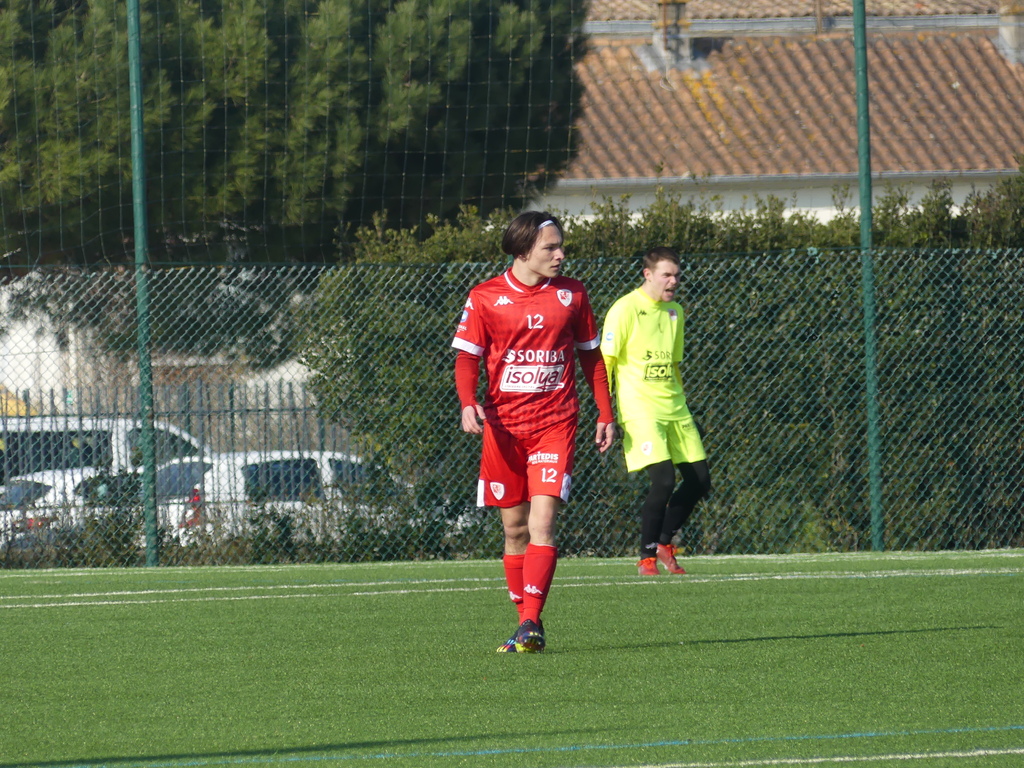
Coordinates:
(141, 284)
(860, 49)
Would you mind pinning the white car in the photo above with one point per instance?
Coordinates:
(221, 494)
(30, 444)
(226, 492)
(60, 500)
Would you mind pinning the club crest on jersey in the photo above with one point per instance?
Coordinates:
(565, 296)
(498, 490)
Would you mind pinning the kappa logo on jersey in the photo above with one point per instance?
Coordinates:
(532, 378)
(469, 303)
(565, 296)
(503, 301)
(498, 489)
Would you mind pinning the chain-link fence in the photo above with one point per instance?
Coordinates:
(309, 414)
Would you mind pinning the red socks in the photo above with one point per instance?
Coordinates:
(538, 571)
(514, 579)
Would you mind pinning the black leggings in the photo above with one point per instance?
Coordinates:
(667, 508)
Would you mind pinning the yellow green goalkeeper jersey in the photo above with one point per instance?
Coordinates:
(642, 345)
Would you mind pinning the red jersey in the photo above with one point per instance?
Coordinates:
(528, 337)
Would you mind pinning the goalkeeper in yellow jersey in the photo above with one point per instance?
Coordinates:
(642, 345)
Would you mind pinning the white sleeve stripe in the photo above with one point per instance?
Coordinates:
(594, 343)
(467, 346)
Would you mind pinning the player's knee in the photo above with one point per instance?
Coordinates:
(663, 479)
(517, 536)
(696, 480)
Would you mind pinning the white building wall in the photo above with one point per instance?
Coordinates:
(814, 195)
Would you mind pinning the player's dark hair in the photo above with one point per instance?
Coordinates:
(522, 233)
(661, 253)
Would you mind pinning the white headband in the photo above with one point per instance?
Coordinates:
(545, 223)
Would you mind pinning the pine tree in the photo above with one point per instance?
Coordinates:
(275, 124)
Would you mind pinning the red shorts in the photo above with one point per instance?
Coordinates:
(515, 469)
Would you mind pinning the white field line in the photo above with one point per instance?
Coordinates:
(427, 586)
(837, 558)
(847, 759)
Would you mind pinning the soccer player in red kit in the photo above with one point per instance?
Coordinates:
(527, 325)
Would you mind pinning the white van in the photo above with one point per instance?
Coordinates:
(30, 444)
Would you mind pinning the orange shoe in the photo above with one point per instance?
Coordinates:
(667, 557)
(649, 567)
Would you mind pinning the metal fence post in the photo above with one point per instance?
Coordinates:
(141, 284)
(867, 275)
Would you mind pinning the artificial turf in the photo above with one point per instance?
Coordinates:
(824, 659)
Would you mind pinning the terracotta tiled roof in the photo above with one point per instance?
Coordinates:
(766, 106)
(633, 10)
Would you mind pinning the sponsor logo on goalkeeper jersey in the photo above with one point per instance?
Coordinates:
(658, 372)
(657, 354)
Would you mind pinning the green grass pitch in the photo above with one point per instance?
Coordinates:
(865, 659)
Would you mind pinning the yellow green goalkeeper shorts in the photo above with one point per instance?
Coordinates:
(652, 442)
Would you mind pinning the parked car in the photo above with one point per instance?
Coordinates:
(60, 500)
(322, 495)
(227, 491)
(30, 444)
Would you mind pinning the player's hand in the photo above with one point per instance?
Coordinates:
(473, 419)
(605, 435)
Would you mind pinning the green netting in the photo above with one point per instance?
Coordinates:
(309, 414)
